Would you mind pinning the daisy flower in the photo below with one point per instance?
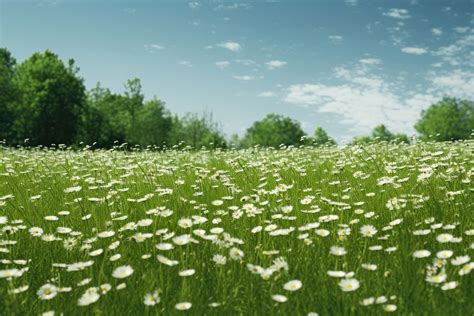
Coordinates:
(349, 285)
(122, 272)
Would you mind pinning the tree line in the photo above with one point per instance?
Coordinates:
(43, 101)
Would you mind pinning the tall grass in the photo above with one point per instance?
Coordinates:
(258, 201)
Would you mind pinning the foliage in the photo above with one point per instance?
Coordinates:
(274, 130)
(8, 93)
(44, 101)
(51, 103)
(321, 137)
(449, 119)
(196, 131)
(381, 133)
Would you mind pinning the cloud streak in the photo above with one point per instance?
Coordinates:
(275, 64)
(232, 46)
(414, 50)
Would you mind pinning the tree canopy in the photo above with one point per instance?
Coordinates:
(43, 99)
(197, 131)
(9, 93)
(381, 133)
(274, 130)
(321, 137)
(448, 119)
(52, 100)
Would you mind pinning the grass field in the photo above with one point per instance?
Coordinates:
(370, 230)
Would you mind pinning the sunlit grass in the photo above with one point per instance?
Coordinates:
(238, 232)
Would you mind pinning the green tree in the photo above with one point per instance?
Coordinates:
(361, 140)
(274, 130)
(52, 100)
(8, 93)
(197, 131)
(448, 119)
(380, 133)
(114, 118)
(321, 137)
(153, 124)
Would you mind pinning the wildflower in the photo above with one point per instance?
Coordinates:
(151, 299)
(47, 292)
(106, 234)
(183, 306)
(217, 202)
(466, 269)
(122, 272)
(90, 296)
(35, 231)
(183, 240)
(279, 298)
(236, 254)
(73, 189)
(115, 257)
(439, 278)
(368, 231)
(380, 300)
(292, 285)
(368, 266)
(10, 273)
(164, 246)
(166, 261)
(219, 259)
(336, 274)
(322, 232)
(390, 308)
(348, 285)
(337, 251)
(185, 223)
(96, 252)
(460, 260)
(186, 273)
(145, 222)
(442, 238)
(449, 285)
(367, 301)
(444, 254)
(421, 254)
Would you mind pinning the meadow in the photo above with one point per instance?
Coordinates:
(356, 230)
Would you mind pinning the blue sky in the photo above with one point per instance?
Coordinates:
(344, 65)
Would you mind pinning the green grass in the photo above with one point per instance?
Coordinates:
(118, 187)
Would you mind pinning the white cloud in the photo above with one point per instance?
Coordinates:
(194, 5)
(370, 61)
(222, 64)
(459, 83)
(245, 62)
(437, 31)
(232, 46)
(233, 6)
(266, 94)
(362, 107)
(152, 48)
(275, 64)
(461, 30)
(461, 52)
(185, 63)
(245, 78)
(336, 39)
(363, 100)
(414, 50)
(397, 14)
